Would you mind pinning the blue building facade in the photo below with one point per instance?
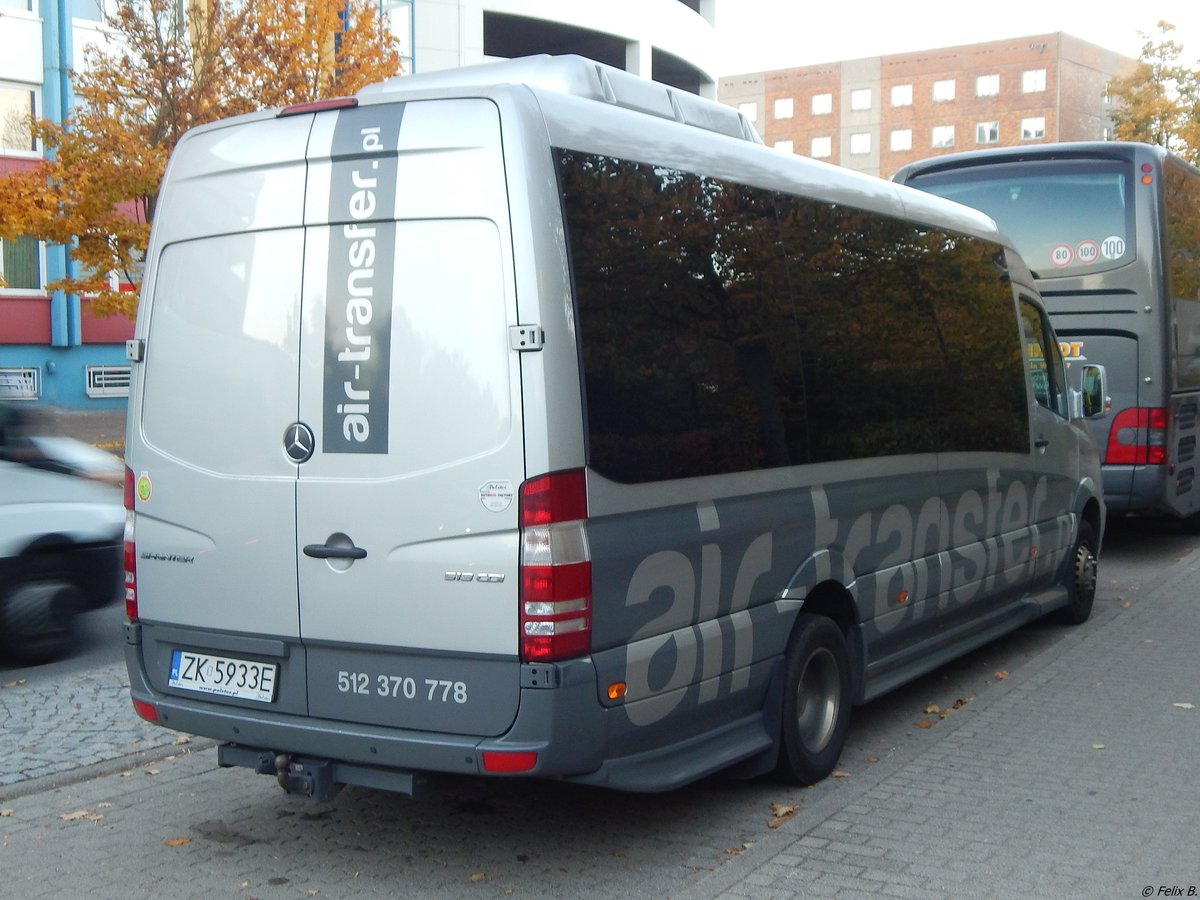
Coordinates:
(53, 350)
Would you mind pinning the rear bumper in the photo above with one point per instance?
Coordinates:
(1151, 489)
(562, 724)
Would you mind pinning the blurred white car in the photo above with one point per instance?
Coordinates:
(60, 547)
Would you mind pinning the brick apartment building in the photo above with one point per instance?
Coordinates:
(876, 114)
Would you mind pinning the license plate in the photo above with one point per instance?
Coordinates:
(223, 675)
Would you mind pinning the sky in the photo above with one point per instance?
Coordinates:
(759, 35)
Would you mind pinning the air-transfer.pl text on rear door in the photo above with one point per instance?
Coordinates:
(406, 514)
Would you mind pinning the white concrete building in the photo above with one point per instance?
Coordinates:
(672, 41)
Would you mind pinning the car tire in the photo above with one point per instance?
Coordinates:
(816, 701)
(37, 620)
(1081, 579)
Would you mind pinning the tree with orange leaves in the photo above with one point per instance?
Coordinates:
(1159, 102)
(162, 72)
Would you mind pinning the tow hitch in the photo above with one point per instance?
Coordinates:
(318, 779)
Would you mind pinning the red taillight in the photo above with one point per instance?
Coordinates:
(1138, 437)
(131, 607)
(509, 760)
(556, 568)
(145, 710)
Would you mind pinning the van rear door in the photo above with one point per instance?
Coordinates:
(406, 513)
(216, 495)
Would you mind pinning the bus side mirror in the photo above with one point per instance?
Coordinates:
(1093, 400)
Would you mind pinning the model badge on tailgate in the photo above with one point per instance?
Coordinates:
(487, 577)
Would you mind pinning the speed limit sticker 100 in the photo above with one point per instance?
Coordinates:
(1087, 252)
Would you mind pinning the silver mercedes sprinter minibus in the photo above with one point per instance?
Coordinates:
(535, 419)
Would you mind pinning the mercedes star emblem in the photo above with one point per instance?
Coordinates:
(299, 442)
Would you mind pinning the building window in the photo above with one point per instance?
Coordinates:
(107, 381)
(822, 104)
(987, 132)
(1033, 81)
(1033, 129)
(987, 86)
(860, 99)
(785, 146)
(943, 91)
(17, 104)
(749, 110)
(902, 95)
(860, 143)
(21, 264)
(901, 140)
(822, 147)
(784, 108)
(943, 136)
(91, 10)
(20, 382)
(26, 5)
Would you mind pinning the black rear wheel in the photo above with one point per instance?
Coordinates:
(1081, 579)
(816, 703)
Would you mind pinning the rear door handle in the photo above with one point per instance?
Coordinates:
(327, 551)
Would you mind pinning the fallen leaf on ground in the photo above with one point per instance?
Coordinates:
(478, 878)
(177, 842)
(780, 813)
(5, 813)
(1126, 605)
(933, 709)
(1184, 705)
(82, 814)
(182, 739)
(839, 773)
(872, 759)
(958, 704)
(1098, 746)
(154, 771)
(17, 683)
(1001, 675)
(925, 723)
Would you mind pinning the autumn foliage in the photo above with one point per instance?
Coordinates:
(162, 73)
(1159, 102)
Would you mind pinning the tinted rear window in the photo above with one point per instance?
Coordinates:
(1066, 217)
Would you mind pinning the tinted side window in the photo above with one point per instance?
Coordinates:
(725, 328)
(907, 335)
(1043, 359)
(1181, 199)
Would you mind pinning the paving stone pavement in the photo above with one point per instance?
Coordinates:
(54, 726)
(1077, 778)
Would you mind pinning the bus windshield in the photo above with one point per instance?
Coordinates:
(1064, 217)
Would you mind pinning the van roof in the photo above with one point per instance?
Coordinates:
(578, 76)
